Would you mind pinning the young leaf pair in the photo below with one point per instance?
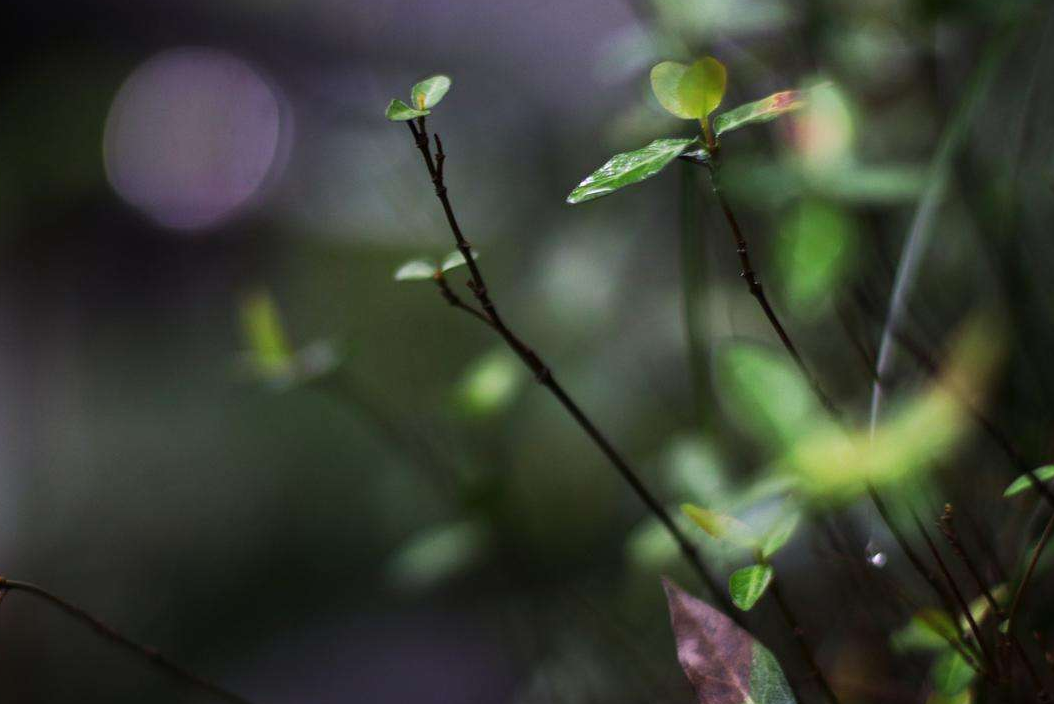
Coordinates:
(423, 97)
(691, 93)
(427, 269)
(748, 584)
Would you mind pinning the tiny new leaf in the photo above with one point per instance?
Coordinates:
(416, 270)
(689, 92)
(429, 92)
(628, 168)
(398, 111)
(778, 535)
(724, 663)
(721, 526)
(747, 585)
(1043, 474)
(455, 259)
(759, 111)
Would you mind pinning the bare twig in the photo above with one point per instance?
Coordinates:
(803, 644)
(543, 374)
(103, 629)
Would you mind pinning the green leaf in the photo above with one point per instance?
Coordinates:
(724, 663)
(929, 629)
(265, 336)
(429, 92)
(765, 393)
(1043, 474)
(689, 92)
(778, 535)
(748, 584)
(628, 168)
(416, 270)
(951, 673)
(759, 111)
(721, 526)
(491, 382)
(437, 554)
(456, 259)
(398, 111)
(815, 250)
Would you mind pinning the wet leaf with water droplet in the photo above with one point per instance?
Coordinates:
(628, 168)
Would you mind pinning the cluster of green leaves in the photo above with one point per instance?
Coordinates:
(423, 97)
(690, 92)
(424, 269)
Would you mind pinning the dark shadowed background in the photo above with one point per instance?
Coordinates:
(421, 522)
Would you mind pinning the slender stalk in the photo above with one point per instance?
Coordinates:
(544, 375)
(748, 275)
(803, 644)
(157, 659)
(1036, 552)
(990, 662)
(947, 527)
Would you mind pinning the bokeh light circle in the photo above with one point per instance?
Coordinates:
(191, 136)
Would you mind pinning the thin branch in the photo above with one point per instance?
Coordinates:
(1036, 552)
(145, 651)
(748, 275)
(990, 662)
(545, 376)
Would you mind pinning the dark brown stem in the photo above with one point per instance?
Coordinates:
(454, 300)
(748, 275)
(990, 662)
(947, 526)
(803, 645)
(1043, 540)
(545, 377)
(155, 658)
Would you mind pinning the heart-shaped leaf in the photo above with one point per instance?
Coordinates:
(722, 661)
(690, 92)
(759, 111)
(628, 168)
(1043, 474)
(747, 585)
(416, 270)
(429, 92)
(398, 111)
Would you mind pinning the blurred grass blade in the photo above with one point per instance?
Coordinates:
(264, 333)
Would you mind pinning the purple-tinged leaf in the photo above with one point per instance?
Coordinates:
(722, 661)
